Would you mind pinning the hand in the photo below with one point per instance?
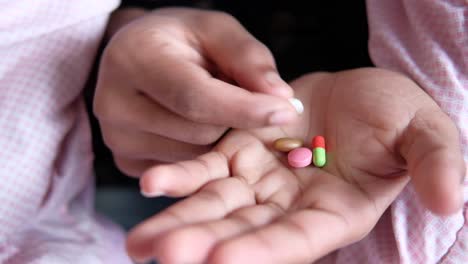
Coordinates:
(249, 206)
(172, 82)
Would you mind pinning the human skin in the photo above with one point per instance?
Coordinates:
(172, 81)
(245, 203)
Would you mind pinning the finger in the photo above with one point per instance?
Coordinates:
(127, 108)
(307, 234)
(185, 177)
(431, 148)
(134, 167)
(180, 83)
(146, 146)
(239, 55)
(214, 201)
(193, 243)
(201, 98)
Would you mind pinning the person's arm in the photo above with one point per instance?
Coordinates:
(46, 157)
(427, 41)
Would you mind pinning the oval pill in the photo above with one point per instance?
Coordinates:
(297, 105)
(287, 144)
(320, 157)
(300, 157)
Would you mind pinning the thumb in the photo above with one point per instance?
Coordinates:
(431, 147)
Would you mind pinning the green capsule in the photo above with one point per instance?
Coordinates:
(319, 157)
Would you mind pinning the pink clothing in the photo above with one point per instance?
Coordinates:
(46, 174)
(46, 184)
(428, 41)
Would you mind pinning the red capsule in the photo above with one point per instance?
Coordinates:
(318, 142)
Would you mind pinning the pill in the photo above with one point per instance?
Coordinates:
(297, 105)
(319, 157)
(300, 157)
(287, 144)
(318, 142)
(319, 153)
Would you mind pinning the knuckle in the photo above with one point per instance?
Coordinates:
(256, 54)
(202, 134)
(128, 50)
(101, 108)
(190, 107)
(214, 18)
(127, 167)
(254, 48)
(107, 102)
(113, 142)
(114, 54)
(122, 144)
(122, 167)
(207, 135)
(113, 106)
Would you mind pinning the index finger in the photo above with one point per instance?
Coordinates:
(190, 91)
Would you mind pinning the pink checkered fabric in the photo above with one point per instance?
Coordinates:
(428, 41)
(46, 178)
(46, 50)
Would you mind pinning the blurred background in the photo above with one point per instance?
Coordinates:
(304, 36)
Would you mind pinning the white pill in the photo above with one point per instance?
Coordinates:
(297, 105)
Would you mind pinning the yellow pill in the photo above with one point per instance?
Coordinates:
(287, 144)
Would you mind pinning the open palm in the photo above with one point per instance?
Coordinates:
(247, 205)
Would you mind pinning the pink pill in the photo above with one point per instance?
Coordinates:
(300, 157)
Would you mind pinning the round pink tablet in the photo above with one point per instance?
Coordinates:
(300, 157)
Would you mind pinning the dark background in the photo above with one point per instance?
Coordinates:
(304, 36)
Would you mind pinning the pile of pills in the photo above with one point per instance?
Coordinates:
(299, 156)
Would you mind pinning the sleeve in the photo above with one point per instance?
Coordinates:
(46, 171)
(426, 40)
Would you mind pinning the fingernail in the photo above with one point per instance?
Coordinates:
(282, 117)
(297, 105)
(278, 86)
(152, 194)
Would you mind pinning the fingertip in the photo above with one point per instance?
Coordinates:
(449, 200)
(287, 115)
(239, 250)
(275, 85)
(441, 191)
(448, 205)
(152, 194)
(153, 182)
(135, 249)
(258, 110)
(282, 117)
